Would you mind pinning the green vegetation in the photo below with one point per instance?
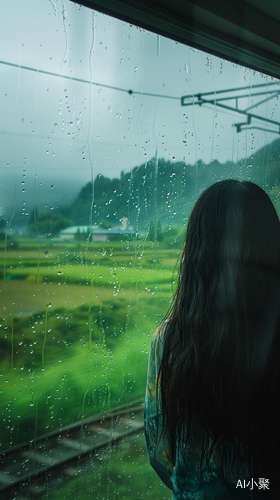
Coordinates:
(76, 325)
(76, 318)
(164, 191)
(47, 223)
(159, 190)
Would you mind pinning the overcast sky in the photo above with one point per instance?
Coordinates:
(57, 131)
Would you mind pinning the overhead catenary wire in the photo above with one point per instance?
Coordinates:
(136, 92)
(196, 99)
(232, 94)
(82, 80)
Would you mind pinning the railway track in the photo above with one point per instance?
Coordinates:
(25, 463)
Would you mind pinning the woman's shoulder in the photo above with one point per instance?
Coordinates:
(159, 333)
(158, 340)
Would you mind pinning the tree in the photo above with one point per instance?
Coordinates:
(105, 224)
(47, 224)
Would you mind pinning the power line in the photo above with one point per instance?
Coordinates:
(196, 99)
(81, 80)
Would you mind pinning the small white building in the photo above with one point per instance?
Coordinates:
(71, 232)
(96, 232)
(109, 234)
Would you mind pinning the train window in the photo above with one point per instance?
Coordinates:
(109, 133)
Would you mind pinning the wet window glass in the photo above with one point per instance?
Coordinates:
(108, 135)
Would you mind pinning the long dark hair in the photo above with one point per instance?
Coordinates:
(219, 374)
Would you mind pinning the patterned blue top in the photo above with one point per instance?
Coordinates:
(184, 480)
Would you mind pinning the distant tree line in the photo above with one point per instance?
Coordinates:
(155, 194)
(47, 223)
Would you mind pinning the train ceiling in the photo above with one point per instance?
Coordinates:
(243, 31)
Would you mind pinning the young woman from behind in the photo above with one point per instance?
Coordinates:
(212, 412)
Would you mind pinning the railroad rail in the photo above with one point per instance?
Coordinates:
(28, 461)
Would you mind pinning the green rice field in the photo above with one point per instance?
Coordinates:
(76, 325)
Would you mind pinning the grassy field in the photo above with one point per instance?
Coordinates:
(76, 325)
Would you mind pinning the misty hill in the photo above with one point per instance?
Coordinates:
(163, 190)
(157, 190)
(264, 165)
(17, 204)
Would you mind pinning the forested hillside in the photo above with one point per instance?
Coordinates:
(164, 191)
(158, 191)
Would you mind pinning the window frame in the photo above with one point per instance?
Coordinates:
(243, 32)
